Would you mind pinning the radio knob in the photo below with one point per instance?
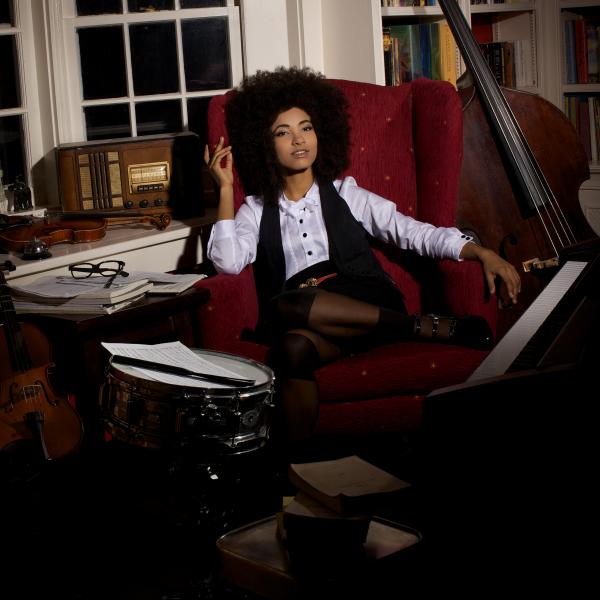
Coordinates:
(128, 204)
(143, 203)
(158, 202)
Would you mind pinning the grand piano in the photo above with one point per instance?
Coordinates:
(510, 457)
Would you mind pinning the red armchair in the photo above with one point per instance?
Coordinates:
(406, 146)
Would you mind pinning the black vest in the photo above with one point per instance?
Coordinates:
(349, 249)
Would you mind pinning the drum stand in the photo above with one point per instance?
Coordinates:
(222, 490)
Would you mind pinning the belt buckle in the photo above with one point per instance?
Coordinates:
(310, 282)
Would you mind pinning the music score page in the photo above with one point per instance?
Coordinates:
(175, 354)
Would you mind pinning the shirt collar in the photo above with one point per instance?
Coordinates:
(310, 201)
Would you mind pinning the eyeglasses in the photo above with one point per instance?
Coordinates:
(107, 268)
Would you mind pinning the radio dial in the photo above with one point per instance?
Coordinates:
(128, 204)
(158, 202)
(143, 203)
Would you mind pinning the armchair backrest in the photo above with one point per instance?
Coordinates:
(406, 146)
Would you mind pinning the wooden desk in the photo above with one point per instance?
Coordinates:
(81, 361)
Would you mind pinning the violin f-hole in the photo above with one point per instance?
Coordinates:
(35, 422)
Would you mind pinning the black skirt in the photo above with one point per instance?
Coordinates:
(368, 289)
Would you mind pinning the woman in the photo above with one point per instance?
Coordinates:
(322, 292)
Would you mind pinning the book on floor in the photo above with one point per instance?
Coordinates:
(348, 485)
(305, 521)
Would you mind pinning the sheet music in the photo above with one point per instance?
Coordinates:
(516, 338)
(171, 353)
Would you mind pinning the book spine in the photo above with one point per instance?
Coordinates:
(591, 36)
(592, 130)
(434, 44)
(583, 118)
(570, 61)
(425, 45)
(581, 51)
(388, 60)
(447, 53)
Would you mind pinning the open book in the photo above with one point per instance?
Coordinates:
(171, 284)
(348, 486)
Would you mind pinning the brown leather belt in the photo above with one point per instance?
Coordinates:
(315, 281)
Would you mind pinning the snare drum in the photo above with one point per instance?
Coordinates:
(149, 413)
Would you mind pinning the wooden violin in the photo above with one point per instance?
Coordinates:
(72, 228)
(31, 411)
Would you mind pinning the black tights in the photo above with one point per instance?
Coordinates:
(317, 327)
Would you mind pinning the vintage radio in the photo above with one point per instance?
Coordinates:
(150, 174)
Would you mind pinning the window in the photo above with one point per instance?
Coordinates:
(143, 67)
(13, 107)
(73, 70)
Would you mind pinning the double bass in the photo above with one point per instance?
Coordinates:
(32, 413)
(523, 165)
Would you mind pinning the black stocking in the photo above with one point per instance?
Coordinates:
(317, 327)
(337, 316)
(296, 357)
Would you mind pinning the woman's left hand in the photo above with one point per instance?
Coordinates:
(495, 266)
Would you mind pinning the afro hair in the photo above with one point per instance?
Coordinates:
(254, 106)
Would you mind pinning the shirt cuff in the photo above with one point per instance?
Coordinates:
(223, 229)
(462, 241)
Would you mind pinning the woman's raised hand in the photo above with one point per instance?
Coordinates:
(220, 164)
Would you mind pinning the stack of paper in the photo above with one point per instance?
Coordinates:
(65, 295)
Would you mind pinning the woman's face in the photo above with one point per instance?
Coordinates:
(295, 140)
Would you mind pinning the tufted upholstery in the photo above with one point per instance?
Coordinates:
(406, 146)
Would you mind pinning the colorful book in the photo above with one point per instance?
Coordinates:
(448, 71)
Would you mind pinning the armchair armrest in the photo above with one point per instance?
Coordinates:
(465, 291)
(232, 307)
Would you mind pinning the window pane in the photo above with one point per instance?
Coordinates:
(10, 92)
(105, 122)
(7, 13)
(99, 7)
(206, 54)
(11, 149)
(202, 3)
(102, 55)
(154, 58)
(197, 121)
(158, 117)
(149, 5)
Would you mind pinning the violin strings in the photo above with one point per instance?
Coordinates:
(15, 341)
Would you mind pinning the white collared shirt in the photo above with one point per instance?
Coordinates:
(232, 244)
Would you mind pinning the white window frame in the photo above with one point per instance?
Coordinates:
(38, 133)
(63, 24)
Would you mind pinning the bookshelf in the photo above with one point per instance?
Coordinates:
(507, 32)
(353, 42)
(577, 88)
